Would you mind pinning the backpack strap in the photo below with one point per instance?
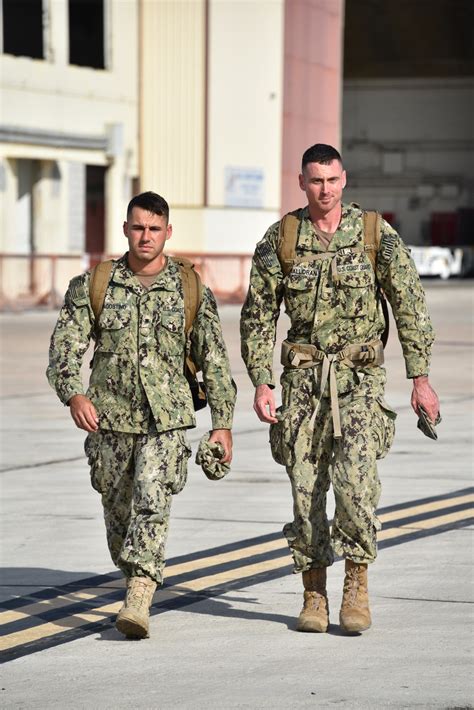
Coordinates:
(192, 294)
(192, 290)
(372, 235)
(287, 238)
(372, 239)
(99, 280)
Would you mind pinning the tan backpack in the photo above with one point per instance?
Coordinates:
(192, 292)
(289, 226)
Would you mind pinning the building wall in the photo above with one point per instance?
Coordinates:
(245, 95)
(409, 148)
(211, 116)
(206, 101)
(312, 89)
(244, 121)
(172, 100)
(55, 119)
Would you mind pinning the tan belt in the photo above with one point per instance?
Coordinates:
(303, 356)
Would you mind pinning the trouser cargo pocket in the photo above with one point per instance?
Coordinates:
(181, 452)
(92, 451)
(276, 439)
(384, 428)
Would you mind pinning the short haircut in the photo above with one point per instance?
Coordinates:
(151, 202)
(320, 153)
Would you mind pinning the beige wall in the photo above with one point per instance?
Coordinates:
(212, 99)
(173, 100)
(245, 93)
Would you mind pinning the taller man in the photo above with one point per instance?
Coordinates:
(328, 262)
(139, 404)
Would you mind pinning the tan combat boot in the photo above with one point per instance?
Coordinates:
(315, 613)
(355, 614)
(133, 617)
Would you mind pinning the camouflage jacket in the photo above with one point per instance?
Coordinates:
(139, 356)
(330, 312)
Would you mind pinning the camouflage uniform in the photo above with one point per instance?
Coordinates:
(139, 456)
(333, 303)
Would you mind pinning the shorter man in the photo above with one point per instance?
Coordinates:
(139, 405)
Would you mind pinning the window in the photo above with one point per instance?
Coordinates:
(95, 211)
(23, 28)
(86, 33)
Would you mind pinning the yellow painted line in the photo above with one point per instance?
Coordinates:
(46, 604)
(426, 507)
(441, 520)
(393, 532)
(8, 617)
(242, 553)
(230, 575)
(42, 631)
(181, 568)
(409, 528)
(101, 613)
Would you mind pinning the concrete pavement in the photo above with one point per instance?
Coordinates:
(222, 632)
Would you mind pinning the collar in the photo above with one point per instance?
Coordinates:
(124, 276)
(348, 233)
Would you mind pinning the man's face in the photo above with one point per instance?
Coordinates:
(323, 185)
(147, 233)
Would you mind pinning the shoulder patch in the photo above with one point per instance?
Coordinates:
(77, 291)
(266, 256)
(387, 246)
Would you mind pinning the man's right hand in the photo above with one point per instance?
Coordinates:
(264, 404)
(83, 412)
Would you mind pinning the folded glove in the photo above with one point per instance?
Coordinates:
(426, 425)
(208, 457)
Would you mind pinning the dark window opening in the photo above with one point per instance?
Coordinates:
(95, 212)
(86, 33)
(23, 28)
(408, 38)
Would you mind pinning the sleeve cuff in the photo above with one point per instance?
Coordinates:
(263, 376)
(417, 369)
(66, 394)
(220, 421)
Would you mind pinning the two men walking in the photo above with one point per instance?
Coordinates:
(333, 423)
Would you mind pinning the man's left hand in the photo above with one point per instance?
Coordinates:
(423, 394)
(224, 437)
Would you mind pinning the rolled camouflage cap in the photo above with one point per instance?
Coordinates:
(426, 425)
(208, 457)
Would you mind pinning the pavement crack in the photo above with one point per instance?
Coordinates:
(432, 601)
(40, 464)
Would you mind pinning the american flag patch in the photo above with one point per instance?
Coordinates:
(388, 246)
(78, 292)
(265, 254)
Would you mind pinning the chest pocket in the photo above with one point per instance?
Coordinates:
(113, 328)
(300, 294)
(356, 285)
(173, 321)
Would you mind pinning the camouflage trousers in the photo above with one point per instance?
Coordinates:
(136, 475)
(314, 460)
